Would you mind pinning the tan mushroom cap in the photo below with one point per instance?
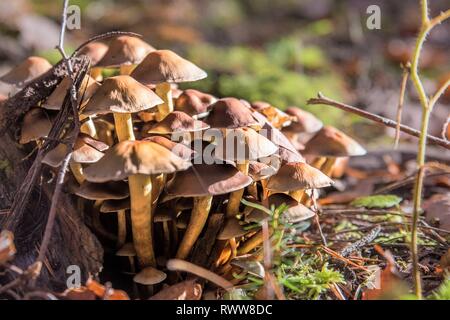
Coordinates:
(231, 113)
(177, 121)
(149, 276)
(166, 66)
(134, 157)
(121, 94)
(298, 175)
(125, 50)
(243, 144)
(274, 115)
(194, 103)
(258, 170)
(203, 179)
(86, 150)
(29, 69)
(56, 98)
(114, 205)
(331, 142)
(36, 124)
(103, 191)
(231, 229)
(127, 250)
(95, 51)
(181, 150)
(303, 121)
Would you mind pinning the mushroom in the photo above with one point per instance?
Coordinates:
(137, 160)
(86, 150)
(332, 143)
(202, 182)
(95, 51)
(275, 116)
(177, 122)
(36, 125)
(120, 207)
(25, 72)
(149, 276)
(128, 250)
(125, 52)
(194, 103)
(164, 216)
(121, 95)
(230, 113)
(296, 176)
(87, 89)
(240, 146)
(162, 67)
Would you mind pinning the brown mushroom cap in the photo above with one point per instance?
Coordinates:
(36, 124)
(303, 121)
(127, 250)
(273, 134)
(231, 229)
(86, 150)
(202, 180)
(149, 276)
(134, 157)
(177, 121)
(331, 142)
(166, 66)
(181, 150)
(103, 191)
(231, 113)
(125, 50)
(298, 175)
(29, 69)
(194, 102)
(243, 144)
(112, 205)
(56, 98)
(121, 94)
(258, 170)
(95, 51)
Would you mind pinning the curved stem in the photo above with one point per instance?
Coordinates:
(88, 127)
(327, 167)
(165, 92)
(199, 215)
(235, 197)
(141, 218)
(251, 243)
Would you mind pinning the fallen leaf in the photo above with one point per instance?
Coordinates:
(437, 210)
(186, 290)
(7, 248)
(378, 201)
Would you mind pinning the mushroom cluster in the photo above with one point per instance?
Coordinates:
(161, 161)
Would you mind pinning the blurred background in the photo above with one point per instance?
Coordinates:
(282, 52)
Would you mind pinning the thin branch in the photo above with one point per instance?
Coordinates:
(376, 118)
(438, 94)
(401, 101)
(105, 36)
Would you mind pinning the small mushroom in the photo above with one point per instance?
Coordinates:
(95, 51)
(332, 143)
(137, 160)
(121, 96)
(128, 251)
(125, 52)
(28, 70)
(149, 276)
(120, 207)
(194, 103)
(36, 125)
(162, 67)
(202, 182)
(177, 122)
(230, 113)
(275, 116)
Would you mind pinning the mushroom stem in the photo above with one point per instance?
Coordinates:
(141, 218)
(235, 197)
(297, 194)
(166, 232)
(126, 70)
(77, 171)
(165, 92)
(199, 215)
(88, 126)
(318, 162)
(124, 126)
(96, 73)
(253, 190)
(121, 228)
(328, 166)
(251, 243)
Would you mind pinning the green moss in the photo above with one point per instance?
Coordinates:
(5, 166)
